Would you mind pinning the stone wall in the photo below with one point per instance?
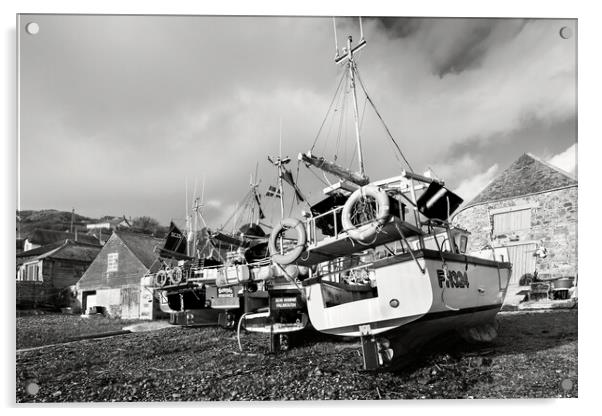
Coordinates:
(553, 226)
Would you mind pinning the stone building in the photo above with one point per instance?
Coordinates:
(531, 210)
(115, 280)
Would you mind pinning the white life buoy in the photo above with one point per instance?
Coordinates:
(176, 275)
(366, 231)
(293, 255)
(160, 278)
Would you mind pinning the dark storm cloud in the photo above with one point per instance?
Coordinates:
(398, 27)
(452, 45)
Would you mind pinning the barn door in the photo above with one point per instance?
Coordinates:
(523, 260)
(130, 303)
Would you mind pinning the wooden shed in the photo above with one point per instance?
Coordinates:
(114, 281)
(42, 273)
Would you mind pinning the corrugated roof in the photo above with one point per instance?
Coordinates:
(42, 237)
(141, 245)
(527, 175)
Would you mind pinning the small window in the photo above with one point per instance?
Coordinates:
(32, 273)
(463, 244)
(112, 260)
(509, 222)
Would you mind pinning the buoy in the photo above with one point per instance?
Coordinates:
(160, 278)
(367, 231)
(293, 255)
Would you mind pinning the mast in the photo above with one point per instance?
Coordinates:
(279, 163)
(351, 66)
(360, 177)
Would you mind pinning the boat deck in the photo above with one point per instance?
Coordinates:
(343, 245)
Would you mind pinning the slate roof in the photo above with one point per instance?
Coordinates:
(141, 245)
(64, 250)
(43, 237)
(527, 175)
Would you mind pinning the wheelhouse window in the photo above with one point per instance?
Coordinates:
(112, 262)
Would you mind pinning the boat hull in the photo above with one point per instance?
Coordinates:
(429, 286)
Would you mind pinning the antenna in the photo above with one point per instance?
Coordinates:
(336, 42)
(186, 194)
(203, 190)
(361, 30)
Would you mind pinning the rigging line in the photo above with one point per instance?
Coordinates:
(381, 119)
(233, 213)
(363, 113)
(325, 178)
(317, 176)
(338, 99)
(342, 114)
(329, 108)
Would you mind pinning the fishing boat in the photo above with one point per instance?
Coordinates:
(226, 277)
(385, 264)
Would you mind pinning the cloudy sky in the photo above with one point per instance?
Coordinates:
(118, 112)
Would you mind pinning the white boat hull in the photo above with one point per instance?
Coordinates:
(471, 292)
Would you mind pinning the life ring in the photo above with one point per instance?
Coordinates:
(160, 278)
(176, 275)
(293, 255)
(366, 231)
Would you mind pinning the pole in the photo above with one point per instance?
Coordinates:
(72, 215)
(355, 109)
(279, 166)
(336, 42)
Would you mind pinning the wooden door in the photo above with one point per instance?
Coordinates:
(130, 303)
(523, 260)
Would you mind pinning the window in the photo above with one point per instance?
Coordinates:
(509, 222)
(31, 273)
(112, 259)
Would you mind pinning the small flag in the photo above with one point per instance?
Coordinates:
(273, 192)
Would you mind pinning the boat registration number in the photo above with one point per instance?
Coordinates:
(285, 302)
(225, 292)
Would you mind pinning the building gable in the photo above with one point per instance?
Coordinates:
(526, 176)
(123, 260)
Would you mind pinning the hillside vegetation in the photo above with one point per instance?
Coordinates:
(51, 219)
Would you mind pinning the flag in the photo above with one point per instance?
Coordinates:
(257, 199)
(175, 240)
(287, 176)
(273, 192)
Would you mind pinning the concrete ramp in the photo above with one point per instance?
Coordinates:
(148, 326)
(514, 296)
